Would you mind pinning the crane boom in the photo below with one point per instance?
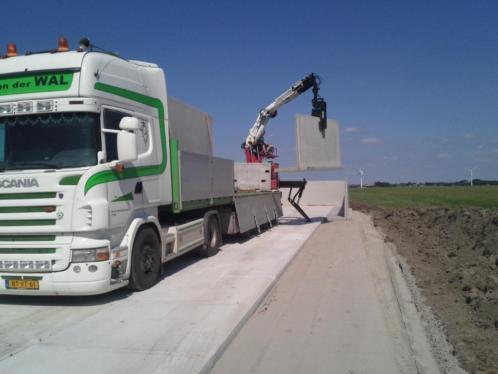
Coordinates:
(256, 150)
(319, 108)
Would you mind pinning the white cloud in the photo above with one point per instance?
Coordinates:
(371, 140)
(468, 135)
(444, 156)
(351, 129)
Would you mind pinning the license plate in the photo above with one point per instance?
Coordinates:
(25, 284)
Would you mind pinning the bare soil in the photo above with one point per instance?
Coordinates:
(453, 254)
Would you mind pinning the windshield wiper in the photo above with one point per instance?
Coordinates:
(28, 165)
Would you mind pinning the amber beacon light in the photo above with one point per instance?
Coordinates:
(11, 50)
(63, 45)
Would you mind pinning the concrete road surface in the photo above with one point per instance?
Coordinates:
(339, 308)
(178, 326)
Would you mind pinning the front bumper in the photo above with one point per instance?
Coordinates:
(67, 282)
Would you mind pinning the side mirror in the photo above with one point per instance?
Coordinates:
(129, 123)
(127, 141)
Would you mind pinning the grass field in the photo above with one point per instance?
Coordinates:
(449, 197)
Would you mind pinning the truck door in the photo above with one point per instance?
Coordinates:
(125, 197)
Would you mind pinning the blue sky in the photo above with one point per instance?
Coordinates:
(414, 84)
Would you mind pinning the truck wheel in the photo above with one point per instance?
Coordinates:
(145, 260)
(212, 235)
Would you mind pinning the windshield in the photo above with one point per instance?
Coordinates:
(49, 141)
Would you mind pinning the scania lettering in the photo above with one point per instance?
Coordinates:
(16, 183)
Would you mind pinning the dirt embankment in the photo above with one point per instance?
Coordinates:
(453, 254)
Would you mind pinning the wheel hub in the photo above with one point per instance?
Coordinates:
(148, 260)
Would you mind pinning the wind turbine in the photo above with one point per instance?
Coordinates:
(472, 175)
(360, 173)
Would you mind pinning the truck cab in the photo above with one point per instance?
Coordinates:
(66, 197)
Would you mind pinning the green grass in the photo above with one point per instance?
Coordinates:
(409, 197)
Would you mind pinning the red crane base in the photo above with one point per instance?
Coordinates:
(259, 156)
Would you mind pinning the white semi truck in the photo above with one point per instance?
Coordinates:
(104, 177)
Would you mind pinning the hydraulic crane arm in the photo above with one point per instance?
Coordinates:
(319, 108)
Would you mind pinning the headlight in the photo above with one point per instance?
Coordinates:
(90, 254)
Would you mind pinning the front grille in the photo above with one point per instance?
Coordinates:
(27, 195)
(29, 251)
(26, 212)
(27, 238)
(27, 222)
(27, 209)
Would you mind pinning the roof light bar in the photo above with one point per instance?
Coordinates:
(44, 106)
(5, 108)
(25, 107)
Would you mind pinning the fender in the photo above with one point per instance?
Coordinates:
(129, 237)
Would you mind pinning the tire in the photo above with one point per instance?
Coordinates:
(212, 235)
(145, 260)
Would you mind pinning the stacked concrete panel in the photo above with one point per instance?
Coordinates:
(192, 127)
(252, 177)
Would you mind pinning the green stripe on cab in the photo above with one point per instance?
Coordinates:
(71, 180)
